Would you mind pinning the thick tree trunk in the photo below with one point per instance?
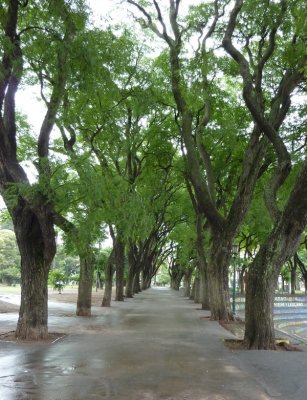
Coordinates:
(242, 281)
(131, 272)
(197, 294)
(293, 279)
(218, 280)
(176, 280)
(261, 282)
(119, 259)
(36, 241)
(146, 280)
(130, 282)
(84, 302)
(202, 264)
(136, 283)
(187, 283)
(106, 301)
(263, 274)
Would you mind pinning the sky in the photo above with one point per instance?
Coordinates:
(28, 98)
(104, 12)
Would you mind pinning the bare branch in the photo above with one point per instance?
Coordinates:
(173, 19)
(149, 24)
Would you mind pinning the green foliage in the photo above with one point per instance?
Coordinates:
(286, 273)
(102, 259)
(10, 276)
(66, 263)
(57, 279)
(162, 277)
(117, 161)
(9, 254)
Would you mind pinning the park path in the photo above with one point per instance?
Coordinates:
(155, 346)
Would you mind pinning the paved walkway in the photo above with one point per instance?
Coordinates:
(155, 346)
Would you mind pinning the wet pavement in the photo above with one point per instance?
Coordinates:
(153, 347)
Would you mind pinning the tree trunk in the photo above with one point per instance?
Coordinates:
(202, 264)
(187, 283)
(36, 241)
(146, 280)
(259, 326)
(136, 283)
(99, 283)
(301, 265)
(106, 301)
(131, 272)
(293, 278)
(176, 280)
(280, 244)
(84, 302)
(192, 294)
(218, 280)
(242, 281)
(197, 295)
(130, 282)
(119, 258)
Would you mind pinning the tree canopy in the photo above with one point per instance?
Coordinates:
(179, 131)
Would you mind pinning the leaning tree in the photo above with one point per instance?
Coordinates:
(271, 61)
(36, 35)
(207, 124)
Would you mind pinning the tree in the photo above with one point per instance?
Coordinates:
(57, 279)
(28, 35)
(223, 202)
(268, 99)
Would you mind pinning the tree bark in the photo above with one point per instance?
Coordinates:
(136, 282)
(197, 294)
(187, 283)
(176, 280)
(242, 274)
(280, 244)
(87, 259)
(202, 264)
(99, 283)
(146, 280)
(131, 271)
(36, 241)
(259, 325)
(119, 259)
(293, 267)
(84, 302)
(106, 301)
(192, 294)
(218, 279)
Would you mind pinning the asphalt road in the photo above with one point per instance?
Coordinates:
(155, 346)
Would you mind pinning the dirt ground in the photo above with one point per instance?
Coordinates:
(70, 296)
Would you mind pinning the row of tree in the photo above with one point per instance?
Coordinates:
(169, 149)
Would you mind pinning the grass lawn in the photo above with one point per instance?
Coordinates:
(10, 289)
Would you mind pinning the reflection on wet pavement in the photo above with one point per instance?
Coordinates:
(152, 347)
